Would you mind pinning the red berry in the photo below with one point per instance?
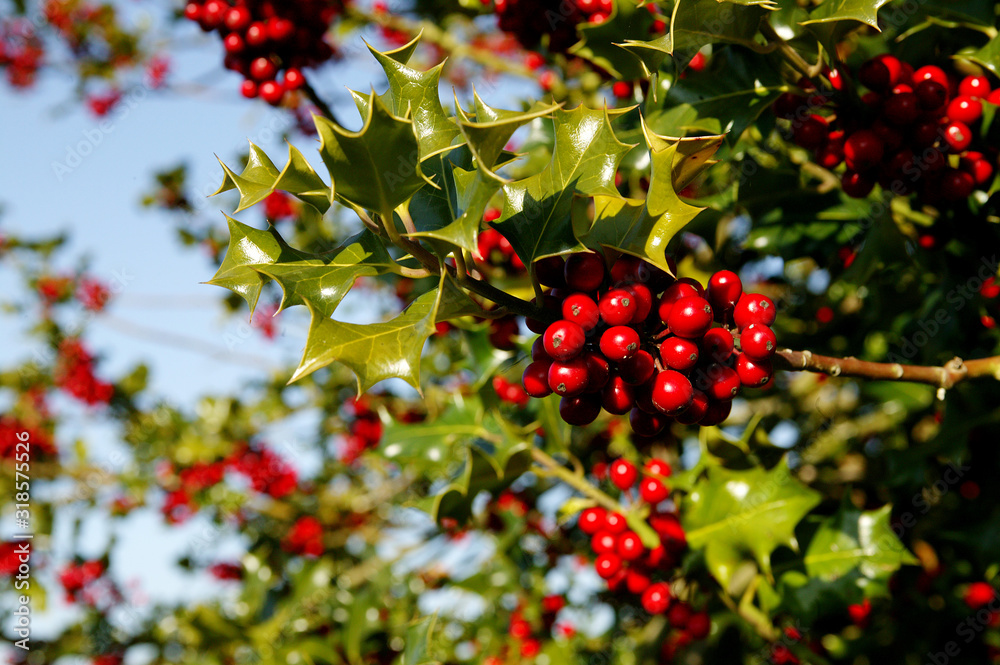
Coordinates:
(754, 308)
(932, 95)
(658, 467)
(192, 11)
(672, 392)
(679, 615)
(237, 18)
(902, 108)
(630, 546)
(262, 69)
(724, 290)
(717, 413)
(212, 13)
(696, 410)
(619, 343)
(753, 373)
(615, 523)
(656, 598)
(979, 594)
(980, 169)
(863, 150)
(551, 271)
(536, 379)
(233, 43)
(617, 307)
(538, 350)
(294, 79)
(722, 383)
(272, 92)
(584, 272)
(956, 185)
(931, 73)
(676, 291)
(957, 136)
(622, 89)
(623, 474)
(256, 34)
(603, 542)
(758, 341)
(974, 86)
(638, 369)
(582, 310)
(856, 185)
(579, 410)
(679, 353)
(690, 317)
(636, 581)
(653, 491)
(717, 344)
(592, 520)
(830, 155)
(699, 626)
(564, 340)
(788, 105)
(994, 97)
(597, 369)
(249, 89)
(646, 424)
(875, 75)
(568, 378)
(279, 29)
(608, 565)
(643, 298)
(812, 132)
(965, 109)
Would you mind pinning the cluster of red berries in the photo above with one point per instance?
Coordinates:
(364, 430)
(494, 250)
(21, 52)
(264, 39)
(40, 440)
(638, 342)
(76, 577)
(90, 292)
(908, 123)
(510, 392)
(75, 374)
(521, 630)
(305, 537)
(267, 472)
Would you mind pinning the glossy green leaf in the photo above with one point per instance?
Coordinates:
(636, 227)
(299, 178)
(325, 280)
(488, 133)
(740, 516)
(855, 540)
(536, 216)
(988, 56)
(377, 167)
(415, 94)
(255, 183)
(249, 250)
(453, 212)
(862, 11)
(701, 22)
(379, 351)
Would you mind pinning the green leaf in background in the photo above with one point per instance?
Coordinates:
(299, 178)
(855, 540)
(324, 281)
(379, 351)
(832, 11)
(599, 41)
(376, 168)
(742, 516)
(536, 216)
(249, 249)
(418, 642)
(701, 22)
(414, 94)
(486, 469)
(725, 100)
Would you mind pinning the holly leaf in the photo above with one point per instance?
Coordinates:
(853, 540)
(740, 516)
(694, 153)
(255, 183)
(701, 22)
(415, 94)
(537, 211)
(322, 282)
(490, 132)
(376, 168)
(988, 56)
(418, 642)
(636, 227)
(453, 212)
(379, 351)
(249, 250)
(486, 469)
(832, 11)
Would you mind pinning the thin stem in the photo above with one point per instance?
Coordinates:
(318, 102)
(952, 373)
(578, 483)
(404, 215)
(460, 266)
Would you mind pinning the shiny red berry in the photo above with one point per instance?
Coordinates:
(564, 340)
(638, 369)
(536, 379)
(965, 109)
(672, 392)
(690, 317)
(758, 341)
(856, 185)
(699, 626)
(568, 378)
(717, 344)
(721, 382)
(863, 150)
(615, 523)
(656, 598)
(619, 343)
(579, 410)
(812, 132)
(630, 546)
(724, 290)
(592, 520)
(753, 373)
(696, 410)
(957, 136)
(584, 272)
(679, 353)
(754, 308)
(653, 490)
(581, 310)
(644, 423)
(658, 467)
(608, 565)
(617, 307)
(623, 474)
(603, 542)
(974, 86)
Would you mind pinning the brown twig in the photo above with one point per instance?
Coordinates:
(947, 376)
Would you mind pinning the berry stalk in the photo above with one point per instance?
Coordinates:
(947, 376)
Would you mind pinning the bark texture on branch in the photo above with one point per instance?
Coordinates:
(953, 372)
